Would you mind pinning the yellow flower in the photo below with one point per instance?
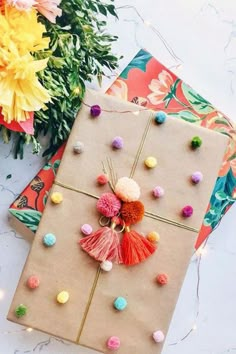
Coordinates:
(21, 92)
(23, 29)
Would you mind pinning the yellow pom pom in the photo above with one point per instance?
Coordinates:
(56, 198)
(153, 237)
(151, 162)
(63, 297)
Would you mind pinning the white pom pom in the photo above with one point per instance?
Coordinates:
(106, 266)
(78, 147)
(127, 189)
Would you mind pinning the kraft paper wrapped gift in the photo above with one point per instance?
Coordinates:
(147, 82)
(89, 318)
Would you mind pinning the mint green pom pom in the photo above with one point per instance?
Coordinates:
(160, 117)
(49, 240)
(21, 311)
(120, 303)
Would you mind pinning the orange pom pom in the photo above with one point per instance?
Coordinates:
(132, 212)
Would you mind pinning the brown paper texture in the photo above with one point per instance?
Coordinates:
(89, 318)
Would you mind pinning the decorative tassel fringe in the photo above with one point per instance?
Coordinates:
(135, 248)
(103, 245)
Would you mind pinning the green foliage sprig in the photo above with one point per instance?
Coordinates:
(79, 50)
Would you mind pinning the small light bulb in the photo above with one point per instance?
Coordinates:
(29, 329)
(77, 90)
(2, 294)
(201, 251)
(147, 23)
(194, 327)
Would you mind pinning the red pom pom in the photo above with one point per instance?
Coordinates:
(132, 212)
(162, 279)
(102, 179)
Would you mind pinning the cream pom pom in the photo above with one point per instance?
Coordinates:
(106, 266)
(127, 189)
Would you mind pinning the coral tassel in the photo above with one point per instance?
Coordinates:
(103, 245)
(135, 248)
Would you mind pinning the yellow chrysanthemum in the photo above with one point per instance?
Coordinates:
(21, 92)
(20, 89)
(22, 28)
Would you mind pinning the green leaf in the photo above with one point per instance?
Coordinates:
(9, 176)
(102, 9)
(207, 221)
(232, 157)
(48, 166)
(220, 195)
(139, 62)
(199, 104)
(111, 9)
(186, 115)
(214, 211)
(30, 218)
(221, 121)
(56, 164)
(45, 198)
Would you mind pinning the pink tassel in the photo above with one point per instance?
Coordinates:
(104, 244)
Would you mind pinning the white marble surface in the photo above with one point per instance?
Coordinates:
(202, 34)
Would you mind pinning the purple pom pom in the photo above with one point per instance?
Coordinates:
(187, 211)
(118, 142)
(196, 177)
(158, 192)
(95, 110)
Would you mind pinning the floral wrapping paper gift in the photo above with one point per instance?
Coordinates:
(123, 159)
(148, 83)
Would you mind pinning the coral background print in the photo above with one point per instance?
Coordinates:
(147, 82)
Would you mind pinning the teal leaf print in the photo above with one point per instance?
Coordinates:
(140, 61)
(199, 104)
(221, 195)
(221, 199)
(45, 198)
(56, 164)
(187, 116)
(48, 166)
(30, 218)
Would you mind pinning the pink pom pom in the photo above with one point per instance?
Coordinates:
(158, 336)
(33, 282)
(113, 343)
(108, 205)
(187, 211)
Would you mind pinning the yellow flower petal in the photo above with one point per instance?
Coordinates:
(21, 92)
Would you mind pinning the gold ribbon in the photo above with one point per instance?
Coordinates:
(148, 214)
(66, 186)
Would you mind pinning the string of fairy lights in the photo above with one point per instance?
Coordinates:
(198, 254)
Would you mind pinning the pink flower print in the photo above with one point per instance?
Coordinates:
(160, 87)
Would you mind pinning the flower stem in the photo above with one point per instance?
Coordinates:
(181, 103)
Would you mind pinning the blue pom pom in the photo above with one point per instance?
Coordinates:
(120, 303)
(160, 117)
(49, 240)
